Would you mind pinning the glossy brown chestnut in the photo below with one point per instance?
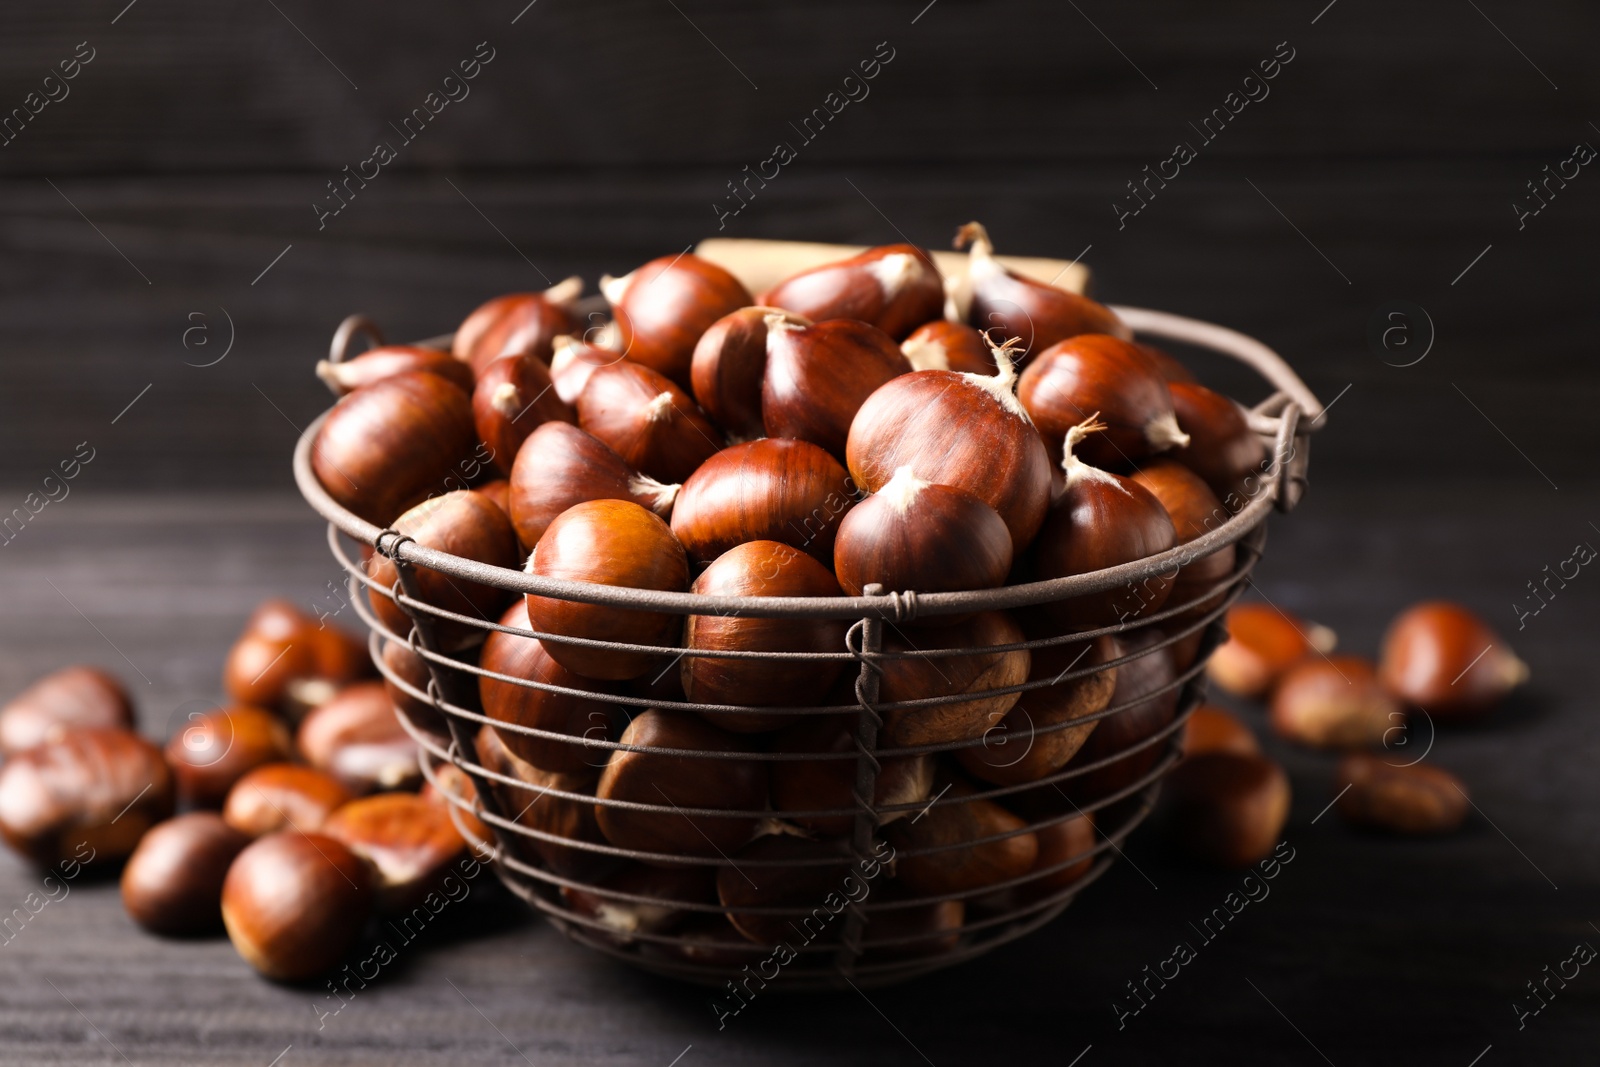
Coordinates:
(1099, 376)
(1222, 448)
(63, 700)
(534, 805)
(568, 714)
(649, 421)
(950, 825)
(1335, 703)
(1225, 808)
(389, 445)
(409, 667)
(707, 941)
(499, 493)
(945, 345)
(449, 785)
(89, 796)
(1061, 844)
(410, 843)
(920, 677)
(172, 884)
(774, 489)
(608, 542)
(816, 882)
(894, 287)
(572, 363)
(668, 888)
(463, 523)
(827, 785)
(1412, 799)
(1147, 702)
(910, 932)
(1213, 729)
(730, 360)
(518, 323)
(1194, 510)
(389, 360)
(1442, 657)
(1102, 520)
(513, 397)
(915, 535)
(295, 903)
(1263, 643)
(560, 465)
(817, 377)
(1171, 369)
(215, 749)
(967, 431)
(1026, 745)
(357, 739)
(758, 569)
(989, 296)
(727, 784)
(283, 796)
(289, 661)
(663, 307)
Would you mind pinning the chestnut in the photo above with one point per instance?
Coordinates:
(96, 787)
(894, 287)
(919, 677)
(1102, 520)
(1213, 729)
(1411, 799)
(823, 785)
(410, 843)
(513, 396)
(560, 465)
(1263, 643)
(1222, 448)
(950, 826)
(63, 700)
(757, 569)
(529, 804)
(647, 420)
(737, 786)
(540, 709)
(988, 295)
(217, 748)
(463, 523)
(400, 662)
(663, 307)
(388, 360)
(389, 445)
(451, 790)
(945, 345)
(1146, 697)
(913, 931)
(967, 431)
(707, 940)
(820, 875)
(912, 534)
(1194, 510)
(356, 738)
(1098, 375)
(1226, 808)
(1173, 371)
(1442, 657)
(518, 323)
(667, 888)
(730, 360)
(1334, 703)
(774, 489)
(172, 884)
(294, 904)
(1023, 747)
(283, 796)
(818, 376)
(608, 542)
(1066, 854)
(288, 661)
(574, 360)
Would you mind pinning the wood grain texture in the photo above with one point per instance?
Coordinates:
(1411, 951)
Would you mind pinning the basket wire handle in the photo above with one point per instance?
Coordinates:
(441, 682)
(865, 640)
(339, 350)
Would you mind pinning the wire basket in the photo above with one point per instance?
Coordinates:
(886, 933)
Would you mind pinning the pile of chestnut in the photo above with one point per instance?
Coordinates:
(1440, 664)
(865, 422)
(300, 817)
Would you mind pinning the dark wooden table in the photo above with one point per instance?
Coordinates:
(1365, 950)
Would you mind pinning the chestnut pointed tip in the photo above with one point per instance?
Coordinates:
(1322, 638)
(893, 272)
(328, 372)
(614, 289)
(507, 399)
(1163, 433)
(564, 292)
(925, 353)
